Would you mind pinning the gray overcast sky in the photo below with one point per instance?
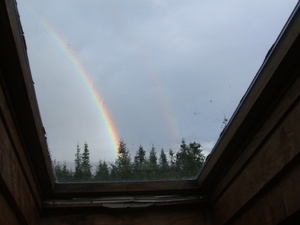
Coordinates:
(164, 69)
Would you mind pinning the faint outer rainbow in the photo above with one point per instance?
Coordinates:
(86, 79)
(163, 99)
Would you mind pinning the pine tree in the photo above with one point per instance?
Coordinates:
(152, 164)
(62, 173)
(85, 164)
(139, 164)
(102, 172)
(163, 164)
(182, 164)
(140, 156)
(123, 162)
(78, 175)
(197, 157)
(67, 175)
(189, 159)
(182, 156)
(114, 172)
(123, 153)
(57, 169)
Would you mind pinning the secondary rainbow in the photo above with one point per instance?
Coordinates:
(113, 135)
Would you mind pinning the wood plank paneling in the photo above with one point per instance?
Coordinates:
(16, 146)
(19, 92)
(20, 198)
(15, 173)
(276, 153)
(13, 178)
(279, 202)
(262, 134)
(7, 216)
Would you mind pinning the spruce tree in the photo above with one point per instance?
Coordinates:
(139, 164)
(78, 175)
(102, 172)
(67, 175)
(85, 164)
(58, 170)
(123, 162)
(152, 164)
(163, 164)
(140, 155)
(197, 157)
(189, 159)
(62, 173)
(182, 156)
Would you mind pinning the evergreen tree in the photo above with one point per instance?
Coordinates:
(102, 172)
(153, 157)
(163, 164)
(182, 156)
(182, 164)
(197, 156)
(67, 175)
(140, 156)
(57, 170)
(85, 164)
(123, 162)
(114, 172)
(152, 164)
(78, 175)
(189, 159)
(62, 173)
(139, 164)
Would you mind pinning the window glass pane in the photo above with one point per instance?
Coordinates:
(140, 90)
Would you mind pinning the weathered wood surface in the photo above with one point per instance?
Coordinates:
(19, 92)
(270, 162)
(268, 127)
(277, 203)
(259, 138)
(16, 180)
(7, 214)
(20, 193)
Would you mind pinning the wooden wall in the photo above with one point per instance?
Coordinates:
(262, 187)
(19, 198)
(21, 136)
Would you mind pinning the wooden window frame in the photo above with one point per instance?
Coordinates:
(267, 89)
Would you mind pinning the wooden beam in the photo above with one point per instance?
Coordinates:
(68, 190)
(17, 85)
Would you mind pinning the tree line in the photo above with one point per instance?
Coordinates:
(184, 163)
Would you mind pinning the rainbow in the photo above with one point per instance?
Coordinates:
(112, 132)
(163, 100)
(165, 105)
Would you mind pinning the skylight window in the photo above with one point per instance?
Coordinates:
(142, 90)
